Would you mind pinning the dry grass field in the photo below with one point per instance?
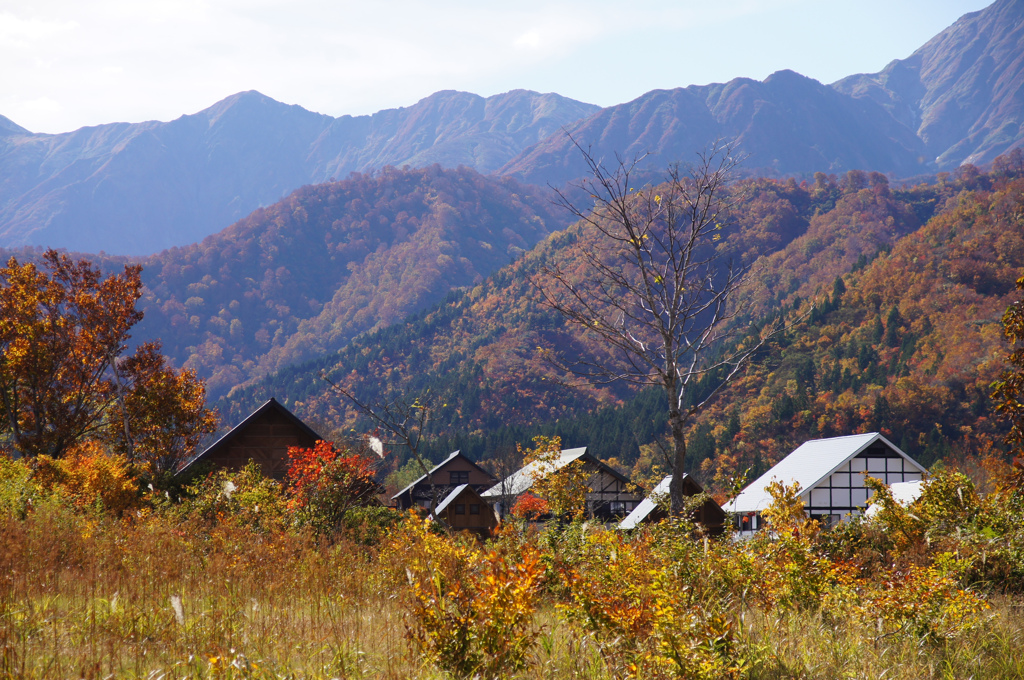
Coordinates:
(236, 586)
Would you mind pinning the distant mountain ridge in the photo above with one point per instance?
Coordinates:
(962, 92)
(135, 189)
(958, 99)
(787, 124)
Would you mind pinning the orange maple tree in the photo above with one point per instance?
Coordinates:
(63, 329)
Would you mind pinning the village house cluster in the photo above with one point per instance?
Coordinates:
(830, 472)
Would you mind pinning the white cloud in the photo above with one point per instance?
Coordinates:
(21, 32)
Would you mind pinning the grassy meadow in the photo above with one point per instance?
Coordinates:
(102, 577)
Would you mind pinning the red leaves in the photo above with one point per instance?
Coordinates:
(326, 482)
(530, 507)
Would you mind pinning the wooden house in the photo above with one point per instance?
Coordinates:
(607, 498)
(463, 510)
(831, 475)
(264, 437)
(453, 471)
(710, 514)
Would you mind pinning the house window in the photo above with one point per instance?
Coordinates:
(474, 509)
(617, 507)
(460, 509)
(746, 521)
(459, 477)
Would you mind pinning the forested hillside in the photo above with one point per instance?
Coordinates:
(305, 275)
(906, 341)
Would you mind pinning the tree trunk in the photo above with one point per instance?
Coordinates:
(13, 418)
(675, 423)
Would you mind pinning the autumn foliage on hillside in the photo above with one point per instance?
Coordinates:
(303, 276)
(906, 342)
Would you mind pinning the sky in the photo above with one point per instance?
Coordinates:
(65, 64)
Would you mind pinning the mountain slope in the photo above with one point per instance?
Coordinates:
(943, 256)
(787, 124)
(303, 276)
(135, 189)
(483, 351)
(962, 92)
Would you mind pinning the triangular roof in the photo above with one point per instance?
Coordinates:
(810, 464)
(522, 479)
(451, 497)
(269, 405)
(646, 506)
(450, 458)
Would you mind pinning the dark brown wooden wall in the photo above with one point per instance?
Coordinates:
(264, 440)
(481, 523)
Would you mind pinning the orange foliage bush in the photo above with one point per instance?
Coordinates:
(530, 507)
(472, 609)
(88, 475)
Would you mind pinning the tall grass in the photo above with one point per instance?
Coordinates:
(91, 597)
(88, 597)
(229, 587)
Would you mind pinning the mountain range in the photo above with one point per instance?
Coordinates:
(135, 189)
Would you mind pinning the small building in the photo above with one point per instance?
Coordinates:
(608, 497)
(710, 514)
(831, 475)
(464, 510)
(264, 437)
(453, 471)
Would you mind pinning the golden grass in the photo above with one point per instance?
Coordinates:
(84, 596)
(808, 646)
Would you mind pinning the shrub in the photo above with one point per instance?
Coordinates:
(472, 610)
(246, 498)
(656, 604)
(18, 490)
(324, 483)
(89, 476)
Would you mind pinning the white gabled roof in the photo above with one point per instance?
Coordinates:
(810, 464)
(522, 479)
(646, 506)
(422, 477)
(451, 497)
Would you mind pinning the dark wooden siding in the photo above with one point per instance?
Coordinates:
(264, 440)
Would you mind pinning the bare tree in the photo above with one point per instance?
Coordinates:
(657, 287)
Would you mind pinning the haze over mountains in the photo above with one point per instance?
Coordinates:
(135, 189)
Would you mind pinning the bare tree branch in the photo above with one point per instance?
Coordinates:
(657, 286)
(403, 424)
